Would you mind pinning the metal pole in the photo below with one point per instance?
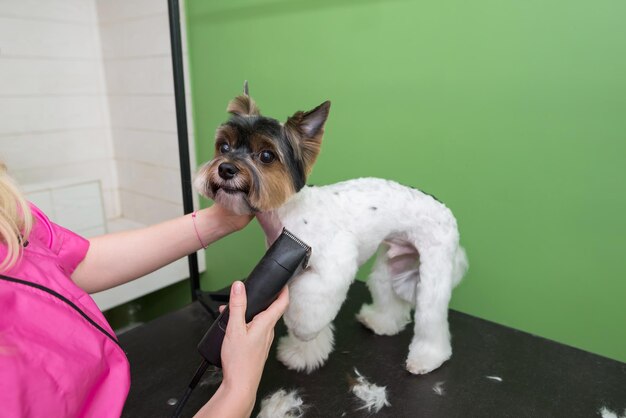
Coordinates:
(183, 136)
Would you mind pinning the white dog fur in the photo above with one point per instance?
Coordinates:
(418, 264)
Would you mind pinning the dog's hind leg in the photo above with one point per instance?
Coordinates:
(430, 346)
(388, 314)
(315, 299)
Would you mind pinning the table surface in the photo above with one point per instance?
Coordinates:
(540, 378)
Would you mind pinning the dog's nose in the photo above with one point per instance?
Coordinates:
(227, 171)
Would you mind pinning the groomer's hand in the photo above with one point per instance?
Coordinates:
(230, 221)
(246, 346)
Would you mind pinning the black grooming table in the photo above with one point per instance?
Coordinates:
(539, 378)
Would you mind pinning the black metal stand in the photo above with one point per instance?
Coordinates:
(209, 300)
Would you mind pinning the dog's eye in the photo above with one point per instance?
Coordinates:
(224, 148)
(267, 157)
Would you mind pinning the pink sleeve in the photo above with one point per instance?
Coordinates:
(69, 247)
(73, 248)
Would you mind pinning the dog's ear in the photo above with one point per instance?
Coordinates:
(310, 124)
(243, 105)
(308, 127)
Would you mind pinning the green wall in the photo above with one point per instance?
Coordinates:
(511, 112)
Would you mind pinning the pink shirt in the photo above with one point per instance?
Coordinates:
(58, 355)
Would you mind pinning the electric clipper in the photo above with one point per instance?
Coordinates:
(285, 257)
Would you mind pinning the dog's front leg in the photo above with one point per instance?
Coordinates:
(315, 299)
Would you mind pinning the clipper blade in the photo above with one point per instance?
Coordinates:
(307, 248)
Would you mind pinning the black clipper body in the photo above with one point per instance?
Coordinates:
(286, 257)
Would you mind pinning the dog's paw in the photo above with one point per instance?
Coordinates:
(306, 355)
(425, 358)
(387, 323)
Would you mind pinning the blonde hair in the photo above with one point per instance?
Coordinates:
(16, 220)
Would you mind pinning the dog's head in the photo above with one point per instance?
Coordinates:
(259, 162)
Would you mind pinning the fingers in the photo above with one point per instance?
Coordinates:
(221, 308)
(273, 313)
(237, 308)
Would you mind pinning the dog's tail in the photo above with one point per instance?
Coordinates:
(461, 264)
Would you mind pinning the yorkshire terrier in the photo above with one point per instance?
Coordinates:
(261, 167)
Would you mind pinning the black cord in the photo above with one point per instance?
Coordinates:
(181, 404)
(192, 384)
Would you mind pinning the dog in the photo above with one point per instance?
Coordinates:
(261, 166)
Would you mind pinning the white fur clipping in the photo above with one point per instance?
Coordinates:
(282, 404)
(607, 413)
(496, 378)
(373, 397)
(438, 388)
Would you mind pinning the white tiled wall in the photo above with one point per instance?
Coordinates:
(87, 116)
(78, 11)
(140, 95)
(54, 120)
(138, 71)
(77, 206)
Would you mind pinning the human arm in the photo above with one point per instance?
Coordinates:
(117, 258)
(244, 352)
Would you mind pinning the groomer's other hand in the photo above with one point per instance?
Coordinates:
(246, 346)
(230, 221)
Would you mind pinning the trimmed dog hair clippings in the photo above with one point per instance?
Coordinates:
(282, 404)
(289, 404)
(372, 397)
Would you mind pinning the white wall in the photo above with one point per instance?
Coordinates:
(87, 110)
(138, 68)
(86, 92)
(54, 120)
(140, 94)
